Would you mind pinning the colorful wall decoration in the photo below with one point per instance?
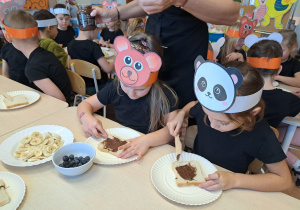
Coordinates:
(36, 4)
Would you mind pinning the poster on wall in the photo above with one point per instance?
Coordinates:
(271, 15)
(36, 4)
(6, 7)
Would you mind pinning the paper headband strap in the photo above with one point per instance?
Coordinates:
(45, 23)
(233, 33)
(61, 11)
(134, 68)
(215, 88)
(264, 63)
(21, 33)
(210, 55)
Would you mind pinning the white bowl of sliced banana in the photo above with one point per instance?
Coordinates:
(74, 159)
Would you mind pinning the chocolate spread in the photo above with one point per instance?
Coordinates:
(86, 22)
(113, 144)
(187, 171)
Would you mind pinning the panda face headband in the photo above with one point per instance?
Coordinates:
(215, 88)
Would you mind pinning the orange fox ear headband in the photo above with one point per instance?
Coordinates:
(263, 62)
(233, 33)
(21, 33)
(135, 69)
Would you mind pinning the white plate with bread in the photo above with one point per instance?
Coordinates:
(169, 184)
(14, 150)
(109, 158)
(21, 99)
(12, 190)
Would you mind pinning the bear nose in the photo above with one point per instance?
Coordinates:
(129, 73)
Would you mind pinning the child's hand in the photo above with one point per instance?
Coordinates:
(175, 124)
(92, 126)
(137, 146)
(220, 180)
(235, 56)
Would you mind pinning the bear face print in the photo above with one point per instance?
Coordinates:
(132, 67)
(214, 86)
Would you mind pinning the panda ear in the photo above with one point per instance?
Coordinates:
(236, 76)
(250, 40)
(276, 37)
(198, 61)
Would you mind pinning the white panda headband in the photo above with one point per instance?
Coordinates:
(61, 11)
(215, 88)
(252, 39)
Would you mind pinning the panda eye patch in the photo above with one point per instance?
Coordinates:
(219, 93)
(202, 84)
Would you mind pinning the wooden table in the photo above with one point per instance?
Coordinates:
(293, 122)
(16, 118)
(125, 186)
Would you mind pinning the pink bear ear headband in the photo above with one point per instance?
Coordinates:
(134, 68)
(215, 88)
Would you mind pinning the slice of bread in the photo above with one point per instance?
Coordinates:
(106, 145)
(18, 100)
(192, 167)
(4, 197)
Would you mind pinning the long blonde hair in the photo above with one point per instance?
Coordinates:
(229, 43)
(159, 103)
(290, 41)
(135, 25)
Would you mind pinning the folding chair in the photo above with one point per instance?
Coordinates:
(89, 70)
(293, 123)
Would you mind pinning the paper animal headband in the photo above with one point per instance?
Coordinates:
(21, 33)
(111, 5)
(212, 55)
(61, 11)
(134, 68)
(263, 62)
(45, 23)
(215, 88)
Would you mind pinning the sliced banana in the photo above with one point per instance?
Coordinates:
(36, 141)
(48, 135)
(56, 136)
(26, 140)
(37, 135)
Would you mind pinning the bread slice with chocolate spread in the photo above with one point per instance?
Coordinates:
(110, 145)
(188, 173)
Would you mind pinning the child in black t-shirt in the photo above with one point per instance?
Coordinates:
(13, 64)
(290, 73)
(84, 48)
(232, 48)
(279, 103)
(110, 32)
(65, 32)
(231, 128)
(43, 69)
(141, 101)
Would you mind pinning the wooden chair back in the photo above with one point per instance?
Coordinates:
(77, 83)
(85, 68)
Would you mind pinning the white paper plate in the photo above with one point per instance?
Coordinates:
(108, 159)
(15, 188)
(109, 54)
(31, 97)
(275, 83)
(9, 146)
(163, 179)
(104, 48)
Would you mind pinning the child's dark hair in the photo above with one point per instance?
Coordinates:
(43, 15)
(159, 104)
(61, 6)
(252, 82)
(268, 49)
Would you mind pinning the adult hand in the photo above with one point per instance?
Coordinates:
(175, 124)
(220, 180)
(92, 126)
(104, 15)
(156, 6)
(137, 146)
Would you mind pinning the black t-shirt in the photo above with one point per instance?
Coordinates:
(16, 61)
(134, 114)
(235, 151)
(280, 104)
(219, 57)
(43, 64)
(64, 37)
(184, 37)
(110, 35)
(89, 51)
(290, 67)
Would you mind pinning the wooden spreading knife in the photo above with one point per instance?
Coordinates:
(178, 147)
